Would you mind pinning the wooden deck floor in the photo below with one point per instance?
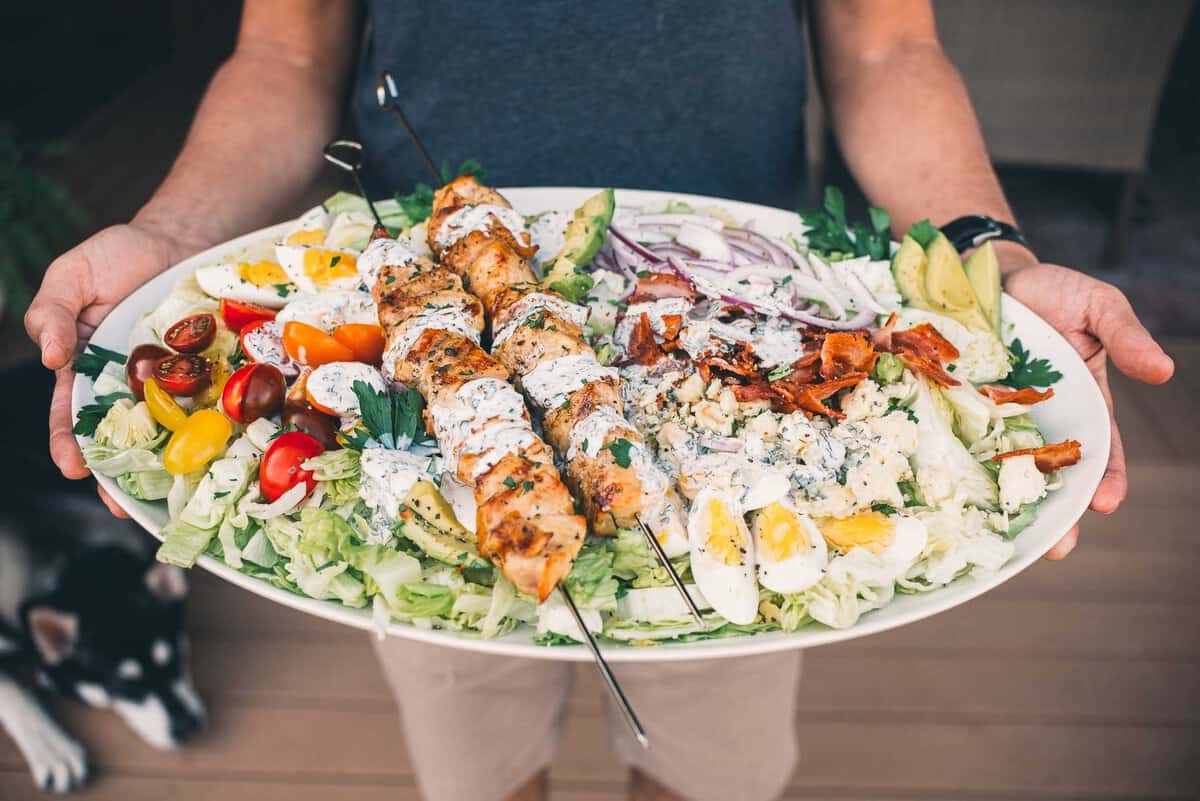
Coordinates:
(1078, 680)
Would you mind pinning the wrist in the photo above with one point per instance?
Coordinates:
(181, 241)
(1013, 256)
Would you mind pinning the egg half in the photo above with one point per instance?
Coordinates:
(789, 548)
(317, 269)
(896, 539)
(722, 555)
(263, 283)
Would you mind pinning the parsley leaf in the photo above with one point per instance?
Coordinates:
(620, 451)
(924, 232)
(1027, 372)
(510, 482)
(886, 508)
(418, 204)
(391, 418)
(93, 360)
(831, 235)
(91, 414)
(895, 405)
(779, 372)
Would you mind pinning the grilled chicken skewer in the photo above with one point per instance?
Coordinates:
(525, 521)
(537, 335)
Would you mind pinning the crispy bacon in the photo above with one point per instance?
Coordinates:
(1026, 397)
(656, 286)
(882, 337)
(643, 348)
(800, 389)
(930, 369)
(925, 340)
(845, 352)
(1048, 458)
(672, 325)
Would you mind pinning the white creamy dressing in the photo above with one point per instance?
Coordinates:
(529, 305)
(332, 385)
(382, 252)
(441, 318)
(591, 433)
(479, 218)
(553, 381)
(778, 344)
(388, 477)
(328, 310)
(485, 418)
(264, 344)
(549, 233)
(655, 311)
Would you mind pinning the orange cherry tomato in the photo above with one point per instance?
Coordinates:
(312, 346)
(365, 339)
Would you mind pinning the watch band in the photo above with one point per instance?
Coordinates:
(973, 230)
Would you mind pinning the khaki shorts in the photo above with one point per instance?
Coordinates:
(479, 726)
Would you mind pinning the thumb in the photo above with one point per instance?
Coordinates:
(1129, 344)
(51, 318)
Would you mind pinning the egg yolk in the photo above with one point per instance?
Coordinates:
(262, 273)
(325, 266)
(314, 237)
(870, 530)
(724, 540)
(780, 533)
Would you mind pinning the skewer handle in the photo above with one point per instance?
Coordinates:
(693, 610)
(348, 155)
(388, 97)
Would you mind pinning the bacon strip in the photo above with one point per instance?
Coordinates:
(642, 349)
(1026, 396)
(656, 286)
(845, 352)
(1048, 458)
(922, 349)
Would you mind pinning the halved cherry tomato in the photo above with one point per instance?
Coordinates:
(254, 391)
(262, 342)
(320, 425)
(238, 315)
(140, 366)
(197, 442)
(162, 406)
(365, 339)
(280, 468)
(312, 346)
(183, 373)
(192, 334)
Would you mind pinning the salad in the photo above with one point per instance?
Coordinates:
(814, 423)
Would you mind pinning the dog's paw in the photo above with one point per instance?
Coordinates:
(57, 762)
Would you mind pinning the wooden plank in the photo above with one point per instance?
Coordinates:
(1163, 483)
(16, 786)
(1146, 439)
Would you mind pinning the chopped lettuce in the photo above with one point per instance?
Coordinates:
(146, 485)
(947, 473)
(126, 425)
(591, 581)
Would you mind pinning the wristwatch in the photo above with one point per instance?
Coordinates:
(973, 230)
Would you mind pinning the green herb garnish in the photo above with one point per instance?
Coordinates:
(1027, 372)
(620, 451)
(831, 235)
(91, 415)
(391, 418)
(94, 359)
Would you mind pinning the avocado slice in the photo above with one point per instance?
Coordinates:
(435, 529)
(983, 271)
(947, 287)
(584, 236)
(908, 268)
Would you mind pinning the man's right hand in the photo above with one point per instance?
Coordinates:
(79, 289)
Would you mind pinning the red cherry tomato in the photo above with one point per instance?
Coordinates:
(140, 366)
(238, 315)
(254, 391)
(183, 374)
(280, 468)
(262, 342)
(192, 334)
(320, 425)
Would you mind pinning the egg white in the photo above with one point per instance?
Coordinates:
(291, 258)
(730, 588)
(223, 281)
(801, 569)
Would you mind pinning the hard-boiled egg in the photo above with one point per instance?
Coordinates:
(328, 310)
(788, 547)
(753, 484)
(330, 387)
(723, 555)
(896, 539)
(308, 229)
(264, 283)
(318, 269)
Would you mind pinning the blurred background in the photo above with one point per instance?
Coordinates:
(1076, 680)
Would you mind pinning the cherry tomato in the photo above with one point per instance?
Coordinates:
(280, 468)
(197, 442)
(321, 426)
(254, 391)
(162, 406)
(238, 315)
(183, 373)
(312, 346)
(262, 342)
(364, 339)
(192, 334)
(140, 366)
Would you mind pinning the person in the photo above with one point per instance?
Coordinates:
(704, 96)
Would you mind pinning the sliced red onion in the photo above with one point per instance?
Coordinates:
(710, 264)
(860, 320)
(705, 241)
(774, 252)
(665, 249)
(796, 256)
(864, 298)
(747, 249)
(634, 246)
(721, 444)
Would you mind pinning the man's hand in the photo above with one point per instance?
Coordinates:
(1098, 321)
(79, 289)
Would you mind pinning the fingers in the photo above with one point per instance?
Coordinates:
(50, 320)
(64, 450)
(1115, 484)
(110, 503)
(1129, 344)
(1064, 546)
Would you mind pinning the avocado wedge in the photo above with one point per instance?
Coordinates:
(983, 271)
(584, 236)
(947, 287)
(908, 268)
(435, 529)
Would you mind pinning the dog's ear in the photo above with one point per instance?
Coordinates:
(166, 582)
(53, 631)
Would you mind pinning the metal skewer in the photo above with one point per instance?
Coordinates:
(693, 610)
(388, 97)
(610, 681)
(348, 155)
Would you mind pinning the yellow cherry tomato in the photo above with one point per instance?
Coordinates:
(197, 442)
(163, 407)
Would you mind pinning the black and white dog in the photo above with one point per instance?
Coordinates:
(83, 607)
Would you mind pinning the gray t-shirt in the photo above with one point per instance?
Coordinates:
(696, 96)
